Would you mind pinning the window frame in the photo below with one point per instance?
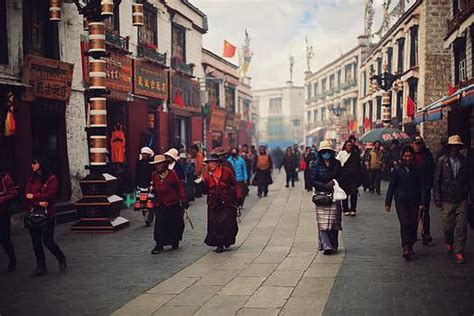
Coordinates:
(400, 55)
(149, 10)
(180, 28)
(414, 46)
(460, 56)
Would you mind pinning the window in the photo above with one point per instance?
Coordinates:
(414, 46)
(389, 59)
(364, 78)
(213, 89)
(315, 89)
(459, 48)
(379, 108)
(400, 106)
(315, 115)
(348, 73)
(147, 34)
(456, 6)
(338, 78)
(112, 23)
(308, 116)
(323, 85)
(379, 66)
(3, 33)
(230, 99)
(364, 111)
(275, 106)
(40, 34)
(309, 90)
(178, 48)
(400, 55)
(413, 89)
(323, 114)
(354, 107)
(371, 111)
(331, 81)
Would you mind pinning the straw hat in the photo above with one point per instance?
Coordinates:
(147, 150)
(212, 157)
(219, 151)
(455, 140)
(158, 159)
(326, 145)
(173, 153)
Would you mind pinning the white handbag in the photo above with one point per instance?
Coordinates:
(339, 194)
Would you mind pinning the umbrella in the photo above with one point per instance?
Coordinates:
(385, 136)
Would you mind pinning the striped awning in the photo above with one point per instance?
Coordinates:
(463, 97)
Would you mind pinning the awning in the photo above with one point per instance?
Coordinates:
(7, 82)
(314, 131)
(463, 97)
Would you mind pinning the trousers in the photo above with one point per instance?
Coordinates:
(426, 217)
(290, 177)
(40, 236)
(5, 241)
(407, 213)
(454, 223)
(262, 189)
(374, 180)
(352, 198)
(328, 239)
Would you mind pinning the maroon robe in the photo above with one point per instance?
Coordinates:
(221, 208)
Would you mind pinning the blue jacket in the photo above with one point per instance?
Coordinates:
(240, 168)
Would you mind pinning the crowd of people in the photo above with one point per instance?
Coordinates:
(167, 183)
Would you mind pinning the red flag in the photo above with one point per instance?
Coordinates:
(451, 90)
(178, 100)
(229, 49)
(366, 123)
(411, 106)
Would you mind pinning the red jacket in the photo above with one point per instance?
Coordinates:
(8, 192)
(168, 191)
(220, 189)
(43, 191)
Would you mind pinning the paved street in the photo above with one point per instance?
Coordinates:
(105, 271)
(273, 269)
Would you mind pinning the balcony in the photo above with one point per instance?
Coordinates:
(116, 41)
(186, 69)
(150, 54)
(466, 9)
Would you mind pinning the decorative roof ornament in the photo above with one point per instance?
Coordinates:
(369, 17)
(245, 56)
(309, 55)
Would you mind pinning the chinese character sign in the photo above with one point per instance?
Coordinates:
(150, 80)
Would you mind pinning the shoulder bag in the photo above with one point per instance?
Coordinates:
(321, 198)
(37, 218)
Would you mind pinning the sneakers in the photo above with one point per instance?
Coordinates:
(459, 258)
(220, 249)
(347, 213)
(353, 212)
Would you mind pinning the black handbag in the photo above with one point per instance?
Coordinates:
(322, 198)
(37, 218)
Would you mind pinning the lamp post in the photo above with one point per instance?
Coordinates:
(337, 110)
(99, 208)
(385, 82)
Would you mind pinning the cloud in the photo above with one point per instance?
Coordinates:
(278, 28)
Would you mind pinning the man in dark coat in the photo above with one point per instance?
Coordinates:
(425, 163)
(143, 172)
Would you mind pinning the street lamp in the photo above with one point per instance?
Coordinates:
(337, 110)
(385, 82)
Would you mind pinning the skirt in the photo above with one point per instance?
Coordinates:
(169, 225)
(221, 226)
(329, 217)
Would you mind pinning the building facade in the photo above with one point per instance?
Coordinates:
(411, 49)
(331, 97)
(280, 115)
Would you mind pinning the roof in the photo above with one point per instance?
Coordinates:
(219, 58)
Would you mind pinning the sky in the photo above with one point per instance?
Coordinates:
(278, 29)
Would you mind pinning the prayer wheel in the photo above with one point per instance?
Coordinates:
(55, 10)
(96, 37)
(137, 14)
(97, 74)
(98, 112)
(98, 150)
(107, 8)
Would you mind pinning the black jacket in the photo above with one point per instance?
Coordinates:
(321, 174)
(143, 172)
(350, 177)
(446, 187)
(406, 186)
(428, 168)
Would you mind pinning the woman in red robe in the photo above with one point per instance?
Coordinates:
(220, 185)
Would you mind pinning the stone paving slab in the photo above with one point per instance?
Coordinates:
(273, 269)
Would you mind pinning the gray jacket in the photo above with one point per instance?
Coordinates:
(446, 188)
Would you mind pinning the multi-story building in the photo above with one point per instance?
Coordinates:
(412, 49)
(152, 74)
(246, 127)
(331, 97)
(280, 115)
(456, 107)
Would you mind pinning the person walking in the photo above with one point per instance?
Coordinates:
(248, 158)
(289, 164)
(424, 161)
(188, 176)
(298, 156)
(222, 195)
(375, 165)
(365, 170)
(8, 193)
(198, 157)
(350, 177)
(324, 171)
(143, 198)
(240, 171)
(393, 155)
(308, 158)
(450, 192)
(170, 199)
(407, 187)
(263, 172)
(172, 155)
(40, 193)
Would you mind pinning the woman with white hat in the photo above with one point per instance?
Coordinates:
(328, 213)
(168, 205)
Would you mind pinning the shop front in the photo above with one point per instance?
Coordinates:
(185, 110)
(216, 127)
(36, 127)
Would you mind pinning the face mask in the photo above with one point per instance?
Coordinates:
(326, 155)
(234, 154)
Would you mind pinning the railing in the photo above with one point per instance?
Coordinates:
(116, 40)
(144, 51)
(466, 9)
(186, 69)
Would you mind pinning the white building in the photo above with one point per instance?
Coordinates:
(280, 115)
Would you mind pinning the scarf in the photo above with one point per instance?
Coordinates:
(343, 156)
